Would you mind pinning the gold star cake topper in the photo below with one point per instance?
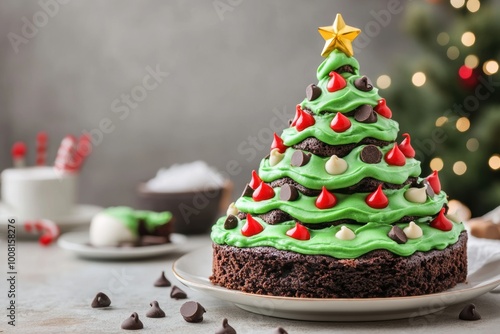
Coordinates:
(338, 36)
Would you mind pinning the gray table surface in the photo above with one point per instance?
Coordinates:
(55, 290)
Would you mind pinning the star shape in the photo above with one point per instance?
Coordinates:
(338, 36)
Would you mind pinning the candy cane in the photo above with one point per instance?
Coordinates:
(83, 150)
(50, 231)
(18, 153)
(65, 154)
(41, 149)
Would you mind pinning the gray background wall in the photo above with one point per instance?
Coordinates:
(226, 75)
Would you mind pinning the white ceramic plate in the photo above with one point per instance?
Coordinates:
(78, 243)
(193, 270)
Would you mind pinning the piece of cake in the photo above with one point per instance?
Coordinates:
(338, 209)
(123, 226)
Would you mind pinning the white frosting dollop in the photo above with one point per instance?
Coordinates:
(416, 195)
(275, 157)
(106, 230)
(345, 233)
(335, 165)
(232, 210)
(413, 231)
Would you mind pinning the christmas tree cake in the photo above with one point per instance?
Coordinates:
(338, 208)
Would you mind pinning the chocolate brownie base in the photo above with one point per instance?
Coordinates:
(380, 273)
(317, 147)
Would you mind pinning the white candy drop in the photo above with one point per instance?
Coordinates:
(335, 165)
(416, 195)
(345, 233)
(413, 231)
(232, 210)
(275, 157)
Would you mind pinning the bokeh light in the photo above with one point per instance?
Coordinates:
(418, 79)
(436, 164)
(459, 168)
(463, 124)
(443, 38)
(383, 81)
(490, 67)
(453, 52)
(457, 3)
(441, 120)
(468, 38)
(471, 61)
(473, 5)
(472, 144)
(494, 162)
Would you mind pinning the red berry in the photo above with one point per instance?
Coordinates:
(406, 147)
(263, 192)
(395, 157)
(299, 232)
(433, 180)
(340, 123)
(304, 121)
(251, 227)
(377, 199)
(278, 143)
(298, 110)
(256, 181)
(336, 82)
(441, 222)
(326, 199)
(382, 109)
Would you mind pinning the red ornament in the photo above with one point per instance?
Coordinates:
(340, 123)
(382, 109)
(406, 147)
(304, 121)
(256, 181)
(336, 82)
(441, 222)
(326, 199)
(395, 157)
(263, 192)
(251, 227)
(299, 232)
(278, 143)
(298, 110)
(377, 199)
(433, 180)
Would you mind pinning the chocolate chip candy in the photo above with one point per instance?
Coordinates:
(398, 235)
(371, 154)
(365, 114)
(226, 328)
(192, 312)
(313, 92)
(247, 192)
(177, 293)
(345, 68)
(280, 330)
(469, 313)
(155, 311)
(288, 193)
(299, 159)
(230, 222)
(101, 300)
(363, 84)
(428, 190)
(132, 322)
(162, 281)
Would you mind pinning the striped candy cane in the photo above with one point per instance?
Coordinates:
(65, 153)
(48, 229)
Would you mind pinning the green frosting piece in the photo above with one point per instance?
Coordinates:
(368, 238)
(130, 217)
(314, 176)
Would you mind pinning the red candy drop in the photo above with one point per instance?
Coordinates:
(278, 143)
(336, 82)
(251, 227)
(441, 222)
(377, 199)
(255, 181)
(304, 121)
(382, 109)
(326, 199)
(433, 180)
(299, 232)
(340, 123)
(298, 110)
(406, 147)
(395, 157)
(263, 192)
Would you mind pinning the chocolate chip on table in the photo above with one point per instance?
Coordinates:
(162, 281)
(177, 293)
(247, 192)
(469, 313)
(397, 234)
(132, 322)
(365, 114)
(280, 330)
(192, 311)
(371, 154)
(155, 311)
(299, 159)
(288, 192)
(226, 328)
(363, 84)
(101, 300)
(313, 92)
(230, 222)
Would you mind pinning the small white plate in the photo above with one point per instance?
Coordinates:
(194, 268)
(78, 243)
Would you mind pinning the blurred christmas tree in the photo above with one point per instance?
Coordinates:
(451, 105)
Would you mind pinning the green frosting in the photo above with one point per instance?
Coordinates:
(131, 217)
(314, 176)
(369, 237)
